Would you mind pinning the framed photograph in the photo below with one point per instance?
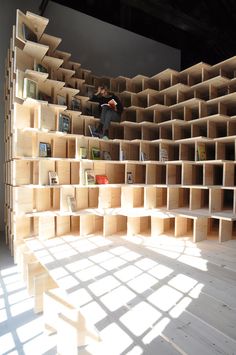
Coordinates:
(129, 177)
(61, 100)
(83, 153)
(45, 149)
(71, 202)
(30, 89)
(53, 178)
(89, 177)
(106, 155)
(64, 123)
(96, 154)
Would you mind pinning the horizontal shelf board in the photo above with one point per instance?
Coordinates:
(35, 50)
(174, 88)
(217, 81)
(165, 74)
(213, 118)
(196, 68)
(51, 41)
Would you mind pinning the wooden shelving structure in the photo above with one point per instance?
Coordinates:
(172, 112)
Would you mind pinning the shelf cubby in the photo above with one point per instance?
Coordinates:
(87, 197)
(155, 197)
(174, 174)
(129, 114)
(222, 200)
(132, 197)
(139, 226)
(91, 224)
(129, 150)
(171, 151)
(192, 174)
(109, 197)
(150, 150)
(199, 199)
(115, 226)
(156, 174)
(115, 172)
(213, 174)
(178, 197)
(138, 172)
(149, 131)
(160, 226)
(225, 150)
(144, 115)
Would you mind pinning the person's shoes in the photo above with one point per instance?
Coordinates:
(105, 137)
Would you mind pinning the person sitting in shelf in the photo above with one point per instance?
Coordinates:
(110, 109)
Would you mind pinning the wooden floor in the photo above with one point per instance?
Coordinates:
(149, 295)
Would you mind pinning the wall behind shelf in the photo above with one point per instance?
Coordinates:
(7, 20)
(107, 49)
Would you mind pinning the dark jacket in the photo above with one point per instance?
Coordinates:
(104, 100)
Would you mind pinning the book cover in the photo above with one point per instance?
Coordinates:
(28, 34)
(89, 177)
(71, 202)
(30, 89)
(83, 153)
(129, 177)
(163, 154)
(64, 123)
(53, 178)
(44, 149)
(96, 154)
(201, 151)
(112, 104)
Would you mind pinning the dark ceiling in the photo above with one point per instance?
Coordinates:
(204, 30)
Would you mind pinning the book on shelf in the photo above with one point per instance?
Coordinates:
(89, 177)
(71, 202)
(201, 151)
(96, 154)
(28, 34)
(53, 178)
(112, 104)
(83, 153)
(75, 104)
(163, 154)
(30, 89)
(64, 123)
(106, 155)
(122, 155)
(130, 177)
(45, 149)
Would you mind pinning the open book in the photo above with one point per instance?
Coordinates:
(112, 104)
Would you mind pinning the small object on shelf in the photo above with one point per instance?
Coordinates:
(163, 154)
(96, 154)
(61, 100)
(201, 151)
(53, 178)
(75, 104)
(71, 203)
(44, 97)
(28, 34)
(64, 123)
(83, 153)
(106, 155)
(89, 177)
(45, 149)
(102, 179)
(40, 68)
(143, 156)
(30, 89)
(129, 177)
(122, 155)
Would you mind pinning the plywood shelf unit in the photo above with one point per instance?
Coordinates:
(168, 120)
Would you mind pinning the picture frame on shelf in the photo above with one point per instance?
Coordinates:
(64, 123)
(83, 153)
(45, 150)
(106, 155)
(130, 177)
(89, 177)
(30, 89)
(75, 104)
(71, 202)
(96, 153)
(53, 178)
